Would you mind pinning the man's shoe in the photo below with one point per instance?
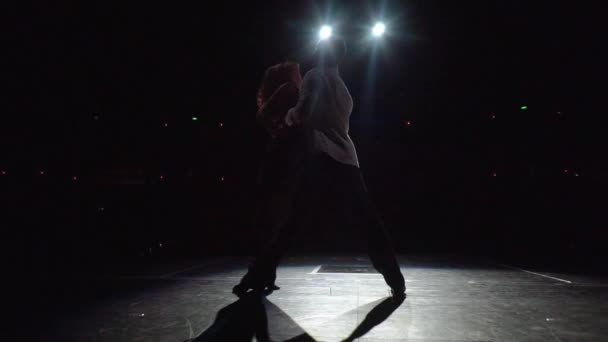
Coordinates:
(398, 294)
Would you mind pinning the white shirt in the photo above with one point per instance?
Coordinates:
(325, 104)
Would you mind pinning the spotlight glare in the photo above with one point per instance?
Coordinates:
(325, 32)
(378, 29)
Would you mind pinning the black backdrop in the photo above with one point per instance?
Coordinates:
(107, 93)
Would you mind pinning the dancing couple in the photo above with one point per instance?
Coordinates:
(311, 152)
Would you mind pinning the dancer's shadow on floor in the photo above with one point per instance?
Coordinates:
(377, 315)
(248, 318)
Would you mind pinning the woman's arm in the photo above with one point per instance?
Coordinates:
(272, 113)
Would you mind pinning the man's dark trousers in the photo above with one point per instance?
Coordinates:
(311, 179)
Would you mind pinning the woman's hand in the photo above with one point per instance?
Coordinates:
(278, 128)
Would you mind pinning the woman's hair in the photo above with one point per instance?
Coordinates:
(274, 77)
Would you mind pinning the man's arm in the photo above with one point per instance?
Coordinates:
(309, 95)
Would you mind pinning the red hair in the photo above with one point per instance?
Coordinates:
(274, 77)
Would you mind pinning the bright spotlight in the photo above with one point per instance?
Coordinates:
(325, 32)
(378, 29)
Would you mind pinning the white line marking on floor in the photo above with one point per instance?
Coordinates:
(316, 270)
(538, 274)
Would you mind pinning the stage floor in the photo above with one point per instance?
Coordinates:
(448, 299)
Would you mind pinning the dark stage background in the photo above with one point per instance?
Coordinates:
(130, 131)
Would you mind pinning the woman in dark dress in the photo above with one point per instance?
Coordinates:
(277, 93)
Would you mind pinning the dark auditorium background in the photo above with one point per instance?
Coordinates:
(130, 131)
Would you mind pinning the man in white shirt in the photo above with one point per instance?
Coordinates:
(330, 165)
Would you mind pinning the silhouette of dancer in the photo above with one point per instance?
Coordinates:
(321, 156)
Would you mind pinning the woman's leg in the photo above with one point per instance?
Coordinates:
(309, 185)
(296, 196)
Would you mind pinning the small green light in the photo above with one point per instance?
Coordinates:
(524, 107)
(194, 118)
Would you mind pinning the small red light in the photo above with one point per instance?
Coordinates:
(221, 124)
(75, 178)
(3, 172)
(494, 174)
(162, 177)
(165, 125)
(492, 116)
(221, 179)
(408, 123)
(42, 172)
(565, 170)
